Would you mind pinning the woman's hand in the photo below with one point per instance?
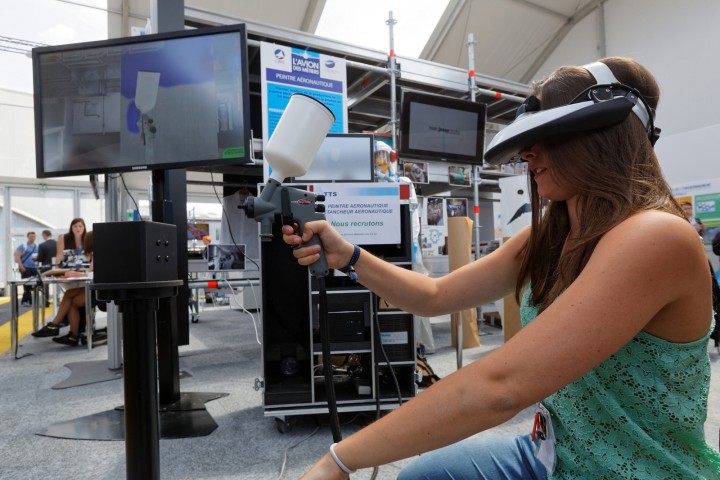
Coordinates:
(325, 469)
(338, 251)
(73, 274)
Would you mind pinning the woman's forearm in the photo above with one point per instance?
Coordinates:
(402, 288)
(462, 404)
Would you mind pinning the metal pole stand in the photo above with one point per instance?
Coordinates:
(138, 303)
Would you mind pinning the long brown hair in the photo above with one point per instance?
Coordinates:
(71, 237)
(613, 172)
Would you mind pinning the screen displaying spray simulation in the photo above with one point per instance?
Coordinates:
(170, 100)
(435, 126)
(343, 157)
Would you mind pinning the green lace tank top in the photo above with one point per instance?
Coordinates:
(639, 414)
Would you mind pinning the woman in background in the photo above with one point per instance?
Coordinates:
(72, 242)
(72, 301)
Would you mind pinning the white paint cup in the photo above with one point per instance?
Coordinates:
(297, 137)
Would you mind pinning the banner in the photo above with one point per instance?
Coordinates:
(365, 213)
(287, 70)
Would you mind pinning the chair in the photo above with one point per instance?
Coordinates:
(99, 336)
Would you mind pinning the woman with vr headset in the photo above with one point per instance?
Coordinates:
(615, 299)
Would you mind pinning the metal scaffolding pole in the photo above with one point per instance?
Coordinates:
(390, 22)
(476, 180)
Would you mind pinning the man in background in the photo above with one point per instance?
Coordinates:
(694, 221)
(26, 263)
(46, 251)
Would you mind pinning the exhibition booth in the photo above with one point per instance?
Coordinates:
(397, 169)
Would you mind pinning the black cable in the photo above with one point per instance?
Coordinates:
(232, 237)
(378, 339)
(327, 361)
(295, 444)
(130, 195)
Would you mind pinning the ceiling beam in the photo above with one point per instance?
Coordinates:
(453, 10)
(558, 37)
(312, 15)
(542, 9)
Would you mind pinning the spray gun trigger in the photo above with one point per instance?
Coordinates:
(286, 213)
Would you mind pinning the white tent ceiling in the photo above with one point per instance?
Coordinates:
(513, 38)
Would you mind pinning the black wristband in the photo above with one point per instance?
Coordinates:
(355, 256)
(349, 270)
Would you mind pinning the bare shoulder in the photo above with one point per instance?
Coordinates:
(653, 242)
(660, 258)
(655, 230)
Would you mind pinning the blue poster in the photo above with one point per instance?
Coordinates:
(286, 70)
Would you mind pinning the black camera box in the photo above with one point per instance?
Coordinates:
(132, 252)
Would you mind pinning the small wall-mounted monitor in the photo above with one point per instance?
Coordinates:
(225, 257)
(442, 128)
(343, 157)
(170, 100)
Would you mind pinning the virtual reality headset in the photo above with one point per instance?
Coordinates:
(607, 103)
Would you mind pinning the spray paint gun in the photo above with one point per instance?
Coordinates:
(290, 151)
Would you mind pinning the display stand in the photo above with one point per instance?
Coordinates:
(138, 288)
(142, 421)
(138, 303)
(363, 332)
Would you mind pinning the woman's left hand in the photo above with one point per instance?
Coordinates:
(74, 274)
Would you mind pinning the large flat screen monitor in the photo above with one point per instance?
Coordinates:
(343, 157)
(170, 100)
(442, 128)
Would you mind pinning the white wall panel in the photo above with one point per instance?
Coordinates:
(677, 41)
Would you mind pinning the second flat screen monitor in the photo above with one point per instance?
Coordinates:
(342, 158)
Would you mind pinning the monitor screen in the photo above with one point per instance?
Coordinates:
(225, 257)
(445, 128)
(396, 252)
(170, 100)
(342, 157)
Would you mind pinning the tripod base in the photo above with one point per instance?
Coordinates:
(186, 418)
(86, 373)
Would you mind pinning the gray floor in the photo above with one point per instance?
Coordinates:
(223, 356)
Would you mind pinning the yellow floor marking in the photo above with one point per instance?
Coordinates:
(25, 326)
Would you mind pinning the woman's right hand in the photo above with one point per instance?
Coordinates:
(338, 251)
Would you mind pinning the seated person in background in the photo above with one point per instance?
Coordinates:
(73, 299)
(72, 243)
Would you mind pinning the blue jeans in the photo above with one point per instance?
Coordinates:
(480, 458)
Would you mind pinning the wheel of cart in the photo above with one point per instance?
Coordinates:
(282, 424)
